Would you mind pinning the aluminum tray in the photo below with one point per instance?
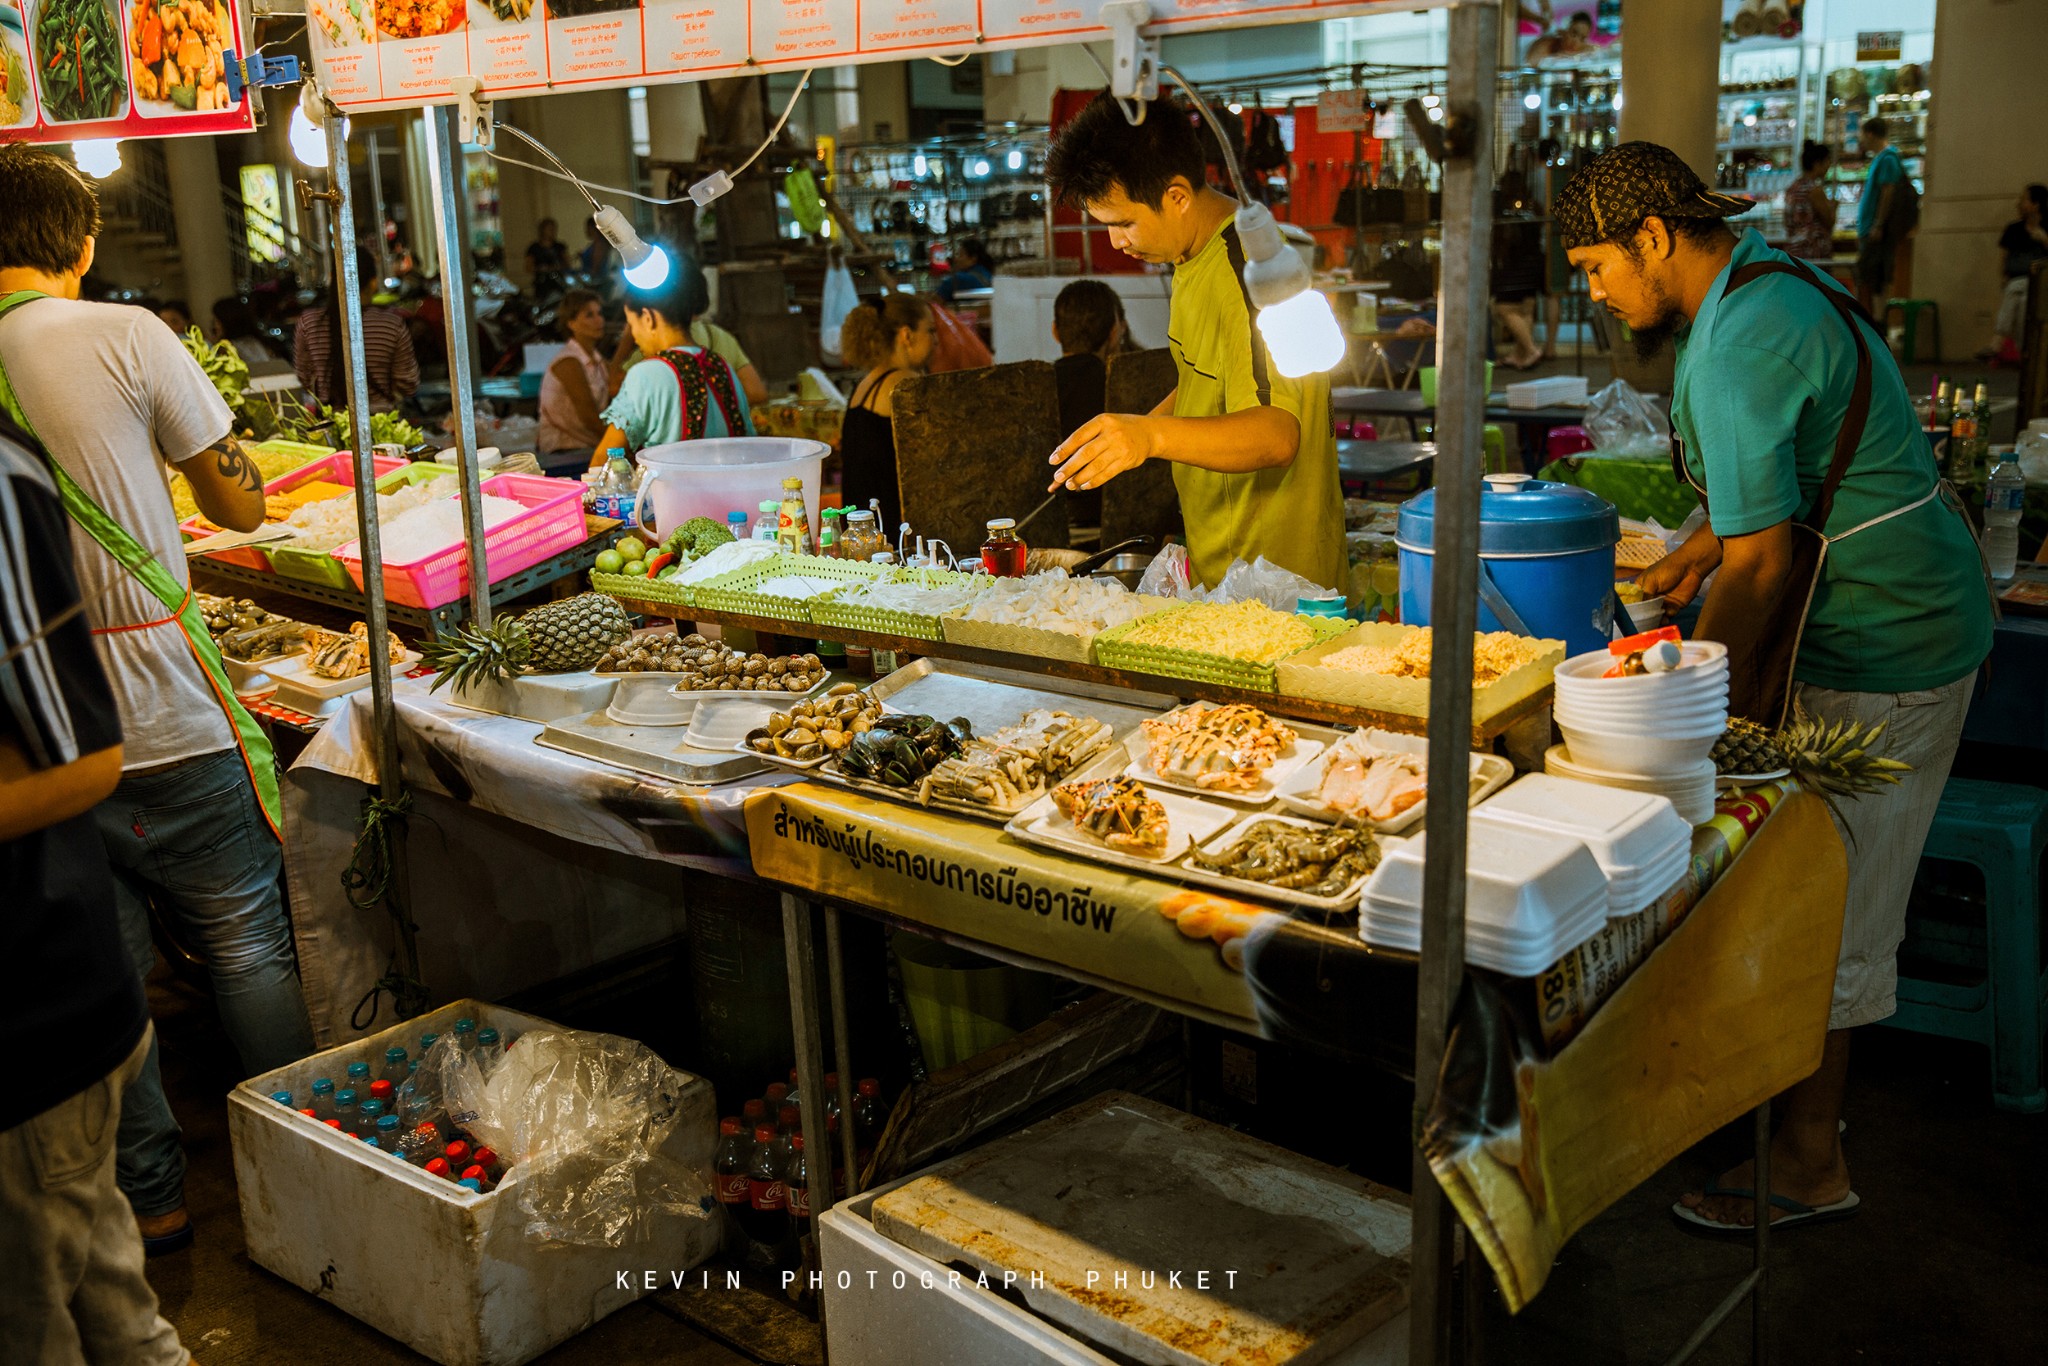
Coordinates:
(655, 750)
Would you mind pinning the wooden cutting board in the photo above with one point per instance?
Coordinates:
(1123, 1186)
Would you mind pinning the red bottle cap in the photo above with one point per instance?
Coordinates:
(475, 1173)
(764, 1134)
(729, 1126)
(776, 1091)
(380, 1090)
(458, 1153)
(792, 1079)
(831, 1081)
(486, 1157)
(789, 1117)
(334, 1124)
(437, 1166)
(869, 1087)
(797, 1144)
(427, 1128)
(754, 1109)
(309, 1114)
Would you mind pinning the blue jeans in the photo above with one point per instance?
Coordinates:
(192, 839)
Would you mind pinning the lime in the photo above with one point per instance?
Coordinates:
(634, 569)
(608, 561)
(1386, 580)
(630, 547)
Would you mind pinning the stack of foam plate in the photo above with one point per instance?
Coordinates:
(1531, 896)
(1643, 845)
(1660, 726)
(1692, 792)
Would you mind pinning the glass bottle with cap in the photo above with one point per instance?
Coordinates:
(1002, 554)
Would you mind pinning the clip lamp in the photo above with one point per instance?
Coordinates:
(646, 266)
(1296, 320)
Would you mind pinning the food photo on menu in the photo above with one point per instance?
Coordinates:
(78, 60)
(505, 11)
(177, 56)
(342, 23)
(418, 18)
(17, 105)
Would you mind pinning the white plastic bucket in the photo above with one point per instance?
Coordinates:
(717, 475)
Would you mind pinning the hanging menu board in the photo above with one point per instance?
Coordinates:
(393, 54)
(73, 70)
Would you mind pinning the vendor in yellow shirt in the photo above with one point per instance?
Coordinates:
(1254, 455)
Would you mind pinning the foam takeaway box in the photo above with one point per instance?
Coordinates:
(451, 1274)
(1120, 1231)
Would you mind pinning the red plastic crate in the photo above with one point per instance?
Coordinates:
(339, 468)
(551, 524)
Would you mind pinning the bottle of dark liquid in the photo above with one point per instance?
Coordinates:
(868, 1118)
(799, 1186)
(1002, 554)
(765, 1219)
(729, 1167)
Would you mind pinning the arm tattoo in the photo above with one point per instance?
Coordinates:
(234, 464)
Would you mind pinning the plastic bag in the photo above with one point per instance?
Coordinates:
(1264, 581)
(840, 298)
(1168, 576)
(959, 347)
(581, 1122)
(1622, 422)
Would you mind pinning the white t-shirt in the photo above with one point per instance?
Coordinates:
(114, 397)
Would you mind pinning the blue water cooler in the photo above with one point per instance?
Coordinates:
(1546, 560)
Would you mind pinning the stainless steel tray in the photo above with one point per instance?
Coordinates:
(990, 699)
(655, 750)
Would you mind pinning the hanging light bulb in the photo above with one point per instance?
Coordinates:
(1617, 99)
(646, 265)
(1296, 320)
(1235, 107)
(1015, 160)
(1532, 100)
(309, 144)
(98, 158)
(980, 167)
(918, 166)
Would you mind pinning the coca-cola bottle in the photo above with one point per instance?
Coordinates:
(765, 1220)
(775, 1099)
(754, 1114)
(729, 1167)
(869, 1117)
(799, 1186)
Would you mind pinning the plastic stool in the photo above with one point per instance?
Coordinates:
(1909, 311)
(2002, 830)
(1560, 442)
(1495, 443)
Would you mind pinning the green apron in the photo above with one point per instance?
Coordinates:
(179, 602)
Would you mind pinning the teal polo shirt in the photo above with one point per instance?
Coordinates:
(1764, 377)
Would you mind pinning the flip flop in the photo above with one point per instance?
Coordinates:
(1796, 1212)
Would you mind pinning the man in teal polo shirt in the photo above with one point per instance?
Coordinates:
(1900, 617)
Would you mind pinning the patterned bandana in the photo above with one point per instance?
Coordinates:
(1611, 196)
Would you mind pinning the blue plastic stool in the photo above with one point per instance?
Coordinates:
(2002, 830)
(1909, 311)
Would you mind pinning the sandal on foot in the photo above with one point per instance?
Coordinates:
(1795, 1212)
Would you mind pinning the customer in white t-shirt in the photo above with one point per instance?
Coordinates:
(118, 403)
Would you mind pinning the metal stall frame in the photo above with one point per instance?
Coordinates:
(1475, 48)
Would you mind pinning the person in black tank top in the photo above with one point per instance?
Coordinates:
(892, 336)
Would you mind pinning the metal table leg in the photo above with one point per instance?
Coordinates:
(810, 1066)
(842, 1049)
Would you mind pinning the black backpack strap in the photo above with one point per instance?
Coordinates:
(1858, 415)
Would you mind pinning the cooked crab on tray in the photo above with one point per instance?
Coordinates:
(1117, 811)
(1229, 750)
(1007, 768)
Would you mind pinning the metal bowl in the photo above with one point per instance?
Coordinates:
(1125, 569)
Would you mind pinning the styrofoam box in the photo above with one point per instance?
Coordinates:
(449, 1273)
(957, 1321)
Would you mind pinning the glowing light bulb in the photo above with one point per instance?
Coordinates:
(918, 166)
(980, 167)
(649, 272)
(1015, 160)
(1617, 99)
(98, 158)
(1532, 100)
(309, 144)
(1302, 335)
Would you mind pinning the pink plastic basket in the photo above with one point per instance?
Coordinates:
(551, 524)
(336, 467)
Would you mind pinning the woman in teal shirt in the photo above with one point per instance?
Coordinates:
(1900, 617)
(682, 392)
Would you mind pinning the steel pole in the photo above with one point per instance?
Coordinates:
(1453, 614)
(842, 1049)
(444, 175)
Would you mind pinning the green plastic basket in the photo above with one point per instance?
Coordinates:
(1114, 651)
(644, 589)
(318, 566)
(830, 611)
(734, 592)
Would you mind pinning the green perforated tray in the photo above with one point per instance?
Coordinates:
(645, 589)
(734, 592)
(1113, 650)
(830, 611)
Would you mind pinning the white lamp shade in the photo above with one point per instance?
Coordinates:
(309, 144)
(1302, 335)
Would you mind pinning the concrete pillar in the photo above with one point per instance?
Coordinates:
(1671, 77)
(194, 175)
(884, 102)
(675, 121)
(1988, 60)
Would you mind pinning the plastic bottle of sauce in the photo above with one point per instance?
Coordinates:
(793, 522)
(1002, 554)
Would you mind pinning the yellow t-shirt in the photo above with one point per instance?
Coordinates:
(720, 343)
(1294, 515)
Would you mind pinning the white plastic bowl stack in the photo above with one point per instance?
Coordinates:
(1691, 793)
(1657, 729)
(1531, 896)
(1642, 844)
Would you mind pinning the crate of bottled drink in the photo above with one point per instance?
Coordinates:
(357, 1187)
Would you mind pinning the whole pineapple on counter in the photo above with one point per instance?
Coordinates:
(560, 637)
(1833, 759)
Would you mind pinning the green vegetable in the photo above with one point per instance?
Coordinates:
(79, 59)
(384, 428)
(185, 96)
(699, 536)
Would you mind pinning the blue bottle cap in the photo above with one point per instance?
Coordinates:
(283, 1098)
(372, 1109)
(487, 1036)
(427, 1041)
(369, 1138)
(399, 1155)
(465, 1025)
(394, 1055)
(323, 1087)
(359, 1069)
(387, 1124)
(345, 1096)
(472, 1184)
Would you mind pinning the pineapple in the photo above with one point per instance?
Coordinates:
(1747, 748)
(557, 638)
